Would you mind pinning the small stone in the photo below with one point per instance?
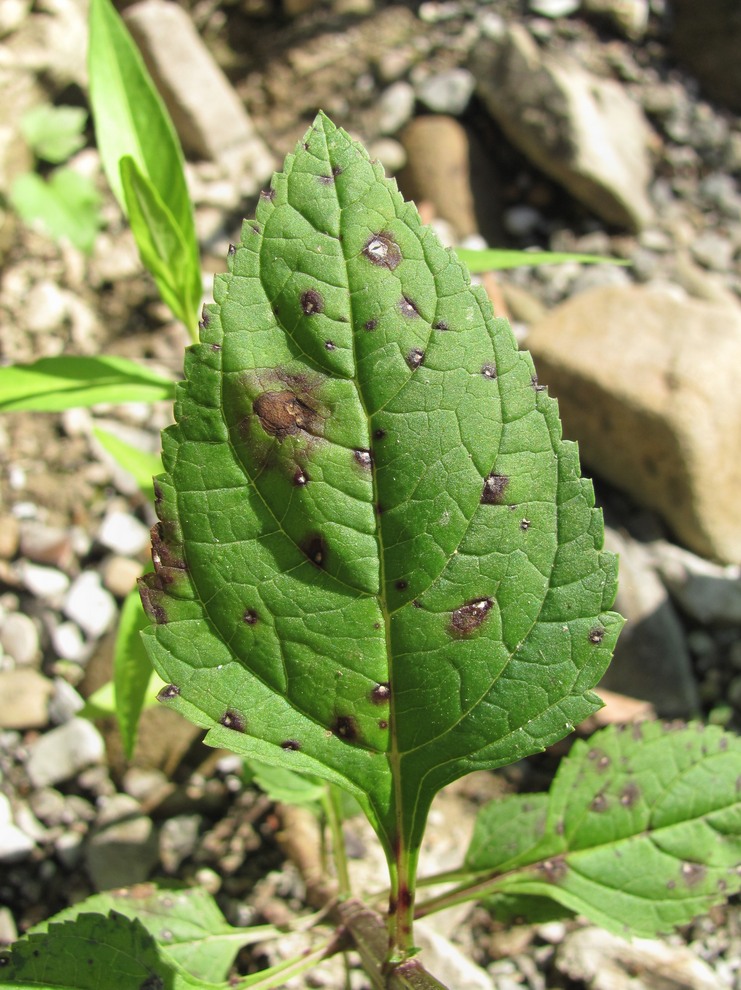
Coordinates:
(178, 840)
(395, 107)
(447, 92)
(19, 638)
(90, 605)
(15, 845)
(8, 930)
(123, 848)
(9, 537)
(24, 699)
(554, 8)
(48, 308)
(65, 702)
(713, 250)
(63, 752)
(389, 153)
(120, 575)
(123, 534)
(69, 643)
(69, 847)
(44, 544)
(43, 582)
(521, 221)
(707, 592)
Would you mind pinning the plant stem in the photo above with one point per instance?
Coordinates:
(331, 805)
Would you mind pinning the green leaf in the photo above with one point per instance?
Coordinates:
(139, 463)
(185, 922)
(505, 830)
(132, 670)
(66, 205)
(131, 121)
(54, 133)
(56, 383)
(284, 785)
(161, 244)
(492, 259)
(378, 563)
(643, 830)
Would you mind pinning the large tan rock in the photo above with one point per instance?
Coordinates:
(648, 385)
(584, 131)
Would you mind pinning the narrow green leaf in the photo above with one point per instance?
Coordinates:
(161, 245)
(54, 133)
(132, 670)
(185, 922)
(131, 120)
(66, 205)
(140, 464)
(492, 259)
(376, 562)
(284, 785)
(643, 830)
(56, 383)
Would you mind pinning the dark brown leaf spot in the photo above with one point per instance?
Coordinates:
(329, 345)
(267, 194)
(671, 884)
(255, 228)
(300, 478)
(407, 308)
(381, 249)
(525, 525)
(215, 347)
(205, 317)
(599, 758)
(599, 803)
(596, 635)
(382, 723)
(233, 720)
(346, 728)
(316, 550)
(363, 457)
(282, 414)
(325, 180)
(440, 325)
(553, 870)
(232, 250)
(380, 694)
(379, 434)
(536, 385)
(312, 302)
(291, 744)
(401, 585)
(469, 617)
(370, 324)
(494, 486)
(415, 358)
(168, 692)
(693, 873)
(250, 617)
(336, 170)
(630, 794)
(489, 370)
(151, 601)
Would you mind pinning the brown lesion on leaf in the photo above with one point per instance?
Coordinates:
(470, 617)
(693, 873)
(250, 617)
(370, 324)
(630, 794)
(152, 596)
(599, 758)
(315, 548)
(292, 745)
(494, 488)
(553, 870)
(346, 727)
(489, 370)
(381, 694)
(415, 358)
(596, 635)
(233, 720)
(283, 414)
(382, 250)
(408, 308)
(163, 557)
(312, 302)
(168, 692)
(599, 803)
(363, 458)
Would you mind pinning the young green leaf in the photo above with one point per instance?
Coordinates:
(131, 120)
(56, 383)
(140, 464)
(376, 560)
(66, 205)
(284, 785)
(54, 133)
(132, 670)
(492, 259)
(643, 830)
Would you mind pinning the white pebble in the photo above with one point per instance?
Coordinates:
(19, 638)
(65, 702)
(60, 754)
(123, 533)
(69, 643)
(43, 582)
(90, 605)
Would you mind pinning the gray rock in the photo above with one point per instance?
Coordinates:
(44, 582)
(707, 592)
(395, 106)
(446, 92)
(89, 604)
(65, 702)
(584, 131)
(9, 536)
(647, 385)
(24, 699)
(19, 638)
(207, 113)
(651, 660)
(63, 752)
(44, 544)
(606, 962)
(123, 534)
(122, 849)
(713, 250)
(178, 840)
(69, 643)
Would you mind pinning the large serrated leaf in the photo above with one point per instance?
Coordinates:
(376, 560)
(643, 830)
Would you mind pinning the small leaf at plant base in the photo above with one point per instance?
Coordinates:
(381, 565)
(185, 922)
(161, 244)
(66, 205)
(493, 259)
(54, 133)
(506, 829)
(643, 830)
(140, 464)
(286, 786)
(57, 383)
(132, 670)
